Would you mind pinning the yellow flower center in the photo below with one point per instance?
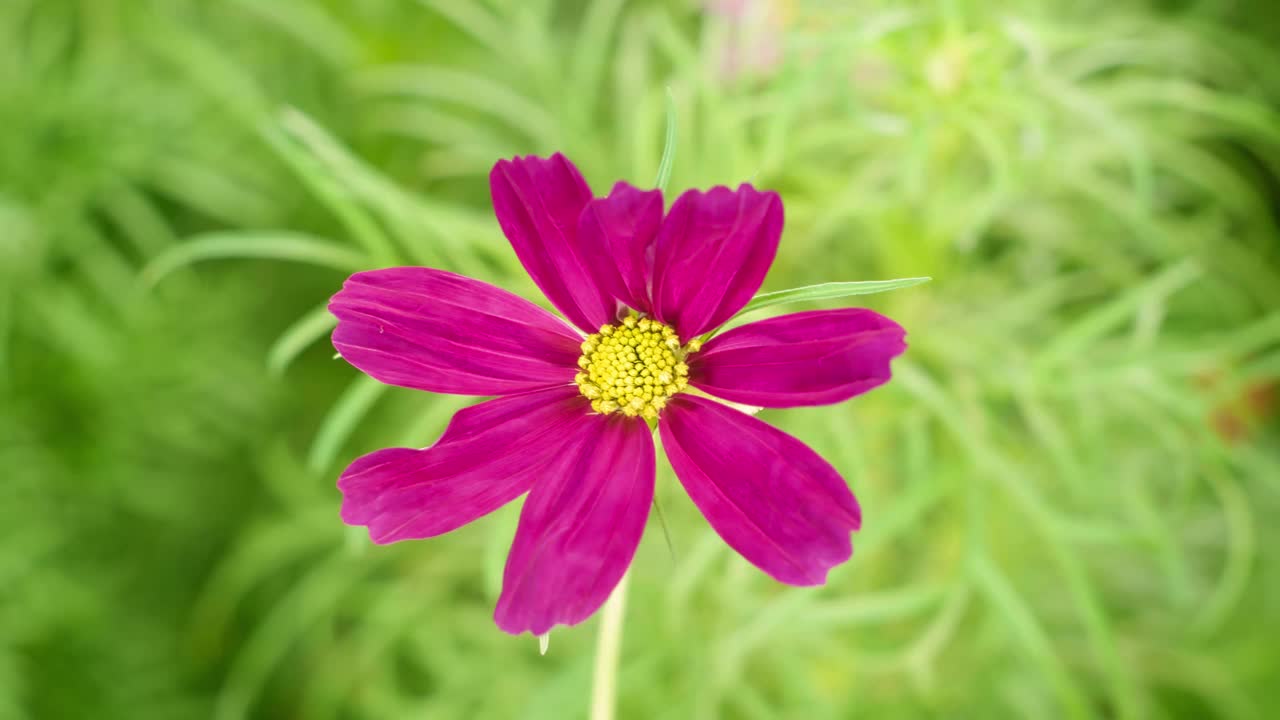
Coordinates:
(633, 367)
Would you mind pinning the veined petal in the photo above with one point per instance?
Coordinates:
(616, 235)
(489, 455)
(806, 358)
(580, 527)
(768, 495)
(436, 331)
(712, 254)
(538, 202)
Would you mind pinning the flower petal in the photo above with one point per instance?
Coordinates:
(579, 528)
(538, 202)
(490, 454)
(807, 358)
(616, 235)
(768, 495)
(436, 331)
(712, 253)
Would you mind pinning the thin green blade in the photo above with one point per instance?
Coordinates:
(829, 291)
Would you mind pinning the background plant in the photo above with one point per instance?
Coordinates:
(1067, 486)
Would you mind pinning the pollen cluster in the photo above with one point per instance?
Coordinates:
(633, 367)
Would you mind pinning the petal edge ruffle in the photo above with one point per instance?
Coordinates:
(617, 235)
(768, 495)
(807, 358)
(711, 255)
(490, 454)
(437, 331)
(538, 202)
(579, 528)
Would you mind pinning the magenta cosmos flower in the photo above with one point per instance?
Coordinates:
(570, 424)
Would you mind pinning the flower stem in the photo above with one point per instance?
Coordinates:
(608, 649)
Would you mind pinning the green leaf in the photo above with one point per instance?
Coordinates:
(299, 336)
(1072, 341)
(295, 140)
(669, 145)
(478, 22)
(1029, 634)
(342, 419)
(272, 245)
(828, 291)
(480, 93)
(595, 46)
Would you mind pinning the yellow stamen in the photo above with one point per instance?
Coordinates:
(633, 366)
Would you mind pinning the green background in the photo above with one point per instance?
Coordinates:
(1069, 488)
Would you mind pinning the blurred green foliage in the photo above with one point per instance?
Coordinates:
(1067, 487)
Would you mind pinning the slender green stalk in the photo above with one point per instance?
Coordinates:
(608, 650)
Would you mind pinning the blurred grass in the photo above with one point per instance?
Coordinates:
(1067, 486)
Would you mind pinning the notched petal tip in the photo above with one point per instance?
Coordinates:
(441, 332)
(768, 495)
(616, 235)
(712, 254)
(808, 358)
(579, 528)
(489, 456)
(538, 202)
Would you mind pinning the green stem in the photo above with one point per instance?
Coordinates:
(608, 650)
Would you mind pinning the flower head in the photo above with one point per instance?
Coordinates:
(570, 424)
